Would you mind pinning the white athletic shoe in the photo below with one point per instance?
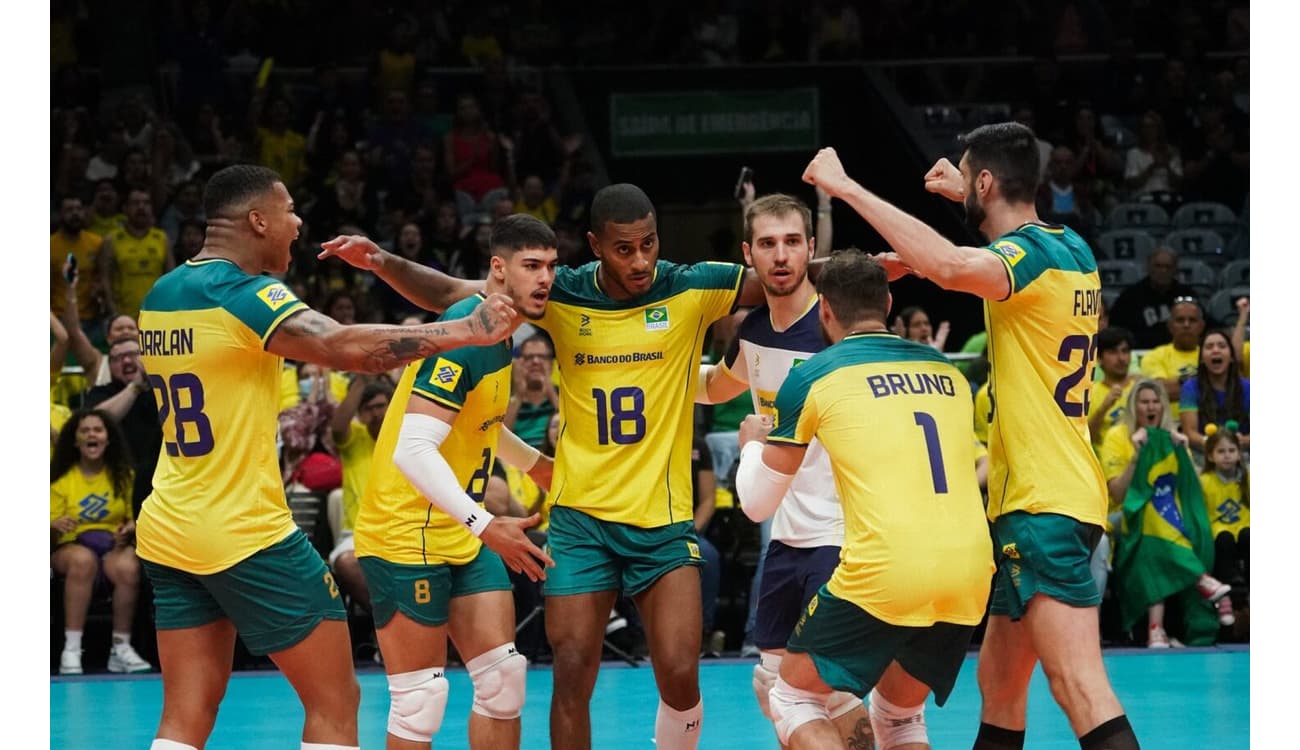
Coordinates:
(124, 659)
(70, 662)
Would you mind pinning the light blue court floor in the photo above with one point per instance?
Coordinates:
(1192, 698)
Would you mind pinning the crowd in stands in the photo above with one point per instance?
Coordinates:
(1151, 170)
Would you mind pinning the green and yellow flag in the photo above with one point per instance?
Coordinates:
(1164, 544)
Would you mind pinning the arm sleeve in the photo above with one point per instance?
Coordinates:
(759, 488)
(418, 458)
(514, 451)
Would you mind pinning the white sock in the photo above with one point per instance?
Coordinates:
(121, 639)
(678, 730)
(161, 744)
(71, 640)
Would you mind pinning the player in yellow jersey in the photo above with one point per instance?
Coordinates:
(1047, 497)
(628, 330)
(439, 572)
(136, 255)
(898, 612)
(216, 536)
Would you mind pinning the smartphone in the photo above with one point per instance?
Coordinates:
(746, 175)
(72, 268)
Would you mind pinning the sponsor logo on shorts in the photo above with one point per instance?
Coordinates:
(1010, 551)
(694, 549)
(276, 296)
(631, 358)
(446, 374)
(656, 318)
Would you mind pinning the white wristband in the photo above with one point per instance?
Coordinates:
(418, 458)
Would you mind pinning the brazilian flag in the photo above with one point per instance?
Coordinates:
(1165, 544)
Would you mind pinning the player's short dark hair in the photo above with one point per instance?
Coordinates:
(622, 203)
(777, 204)
(234, 185)
(855, 287)
(376, 387)
(1109, 339)
(513, 233)
(1009, 151)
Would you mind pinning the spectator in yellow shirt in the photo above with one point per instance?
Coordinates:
(1175, 362)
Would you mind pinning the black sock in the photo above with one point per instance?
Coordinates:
(1115, 734)
(996, 738)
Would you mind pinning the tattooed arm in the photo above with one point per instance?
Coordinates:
(424, 286)
(309, 336)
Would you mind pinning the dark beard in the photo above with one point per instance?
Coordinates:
(975, 214)
(776, 292)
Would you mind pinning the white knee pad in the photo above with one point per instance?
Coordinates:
(499, 677)
(416, 703)
(765, 672)
(792, 708)
(895, 725)
(841, 703)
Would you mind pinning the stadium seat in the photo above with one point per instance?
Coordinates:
(1206, 215)
(1126, 244)
(1148, 216)
(1236, 273)
(1118, 274)
(1108, 297)
(1222, 307)
(1197, 274)
(1202, 244)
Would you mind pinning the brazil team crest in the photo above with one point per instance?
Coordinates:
(276, 296)
(656, 318)
(446, 374)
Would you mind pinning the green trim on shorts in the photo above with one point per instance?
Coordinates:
(424, 592)
(593, 555)
(851, 648)
(1042, 553)
(275, 597)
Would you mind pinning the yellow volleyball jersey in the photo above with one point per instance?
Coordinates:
(217, 494)
(1042, 340)
(397, 523)
(1223, 504)
(1167, 362)
(628, 372)
(356, 453)
(1096, 397)
(138, 262)
(86, 249)
(91, 500)
(895, 417)
(983, 413)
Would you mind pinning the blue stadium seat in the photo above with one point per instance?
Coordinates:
(1119, 274)
(1197, 274)
(1236, 273)
(1207, 215)
(1222, 306)
(1126, 244)
(1148, 216)
(1202, 244)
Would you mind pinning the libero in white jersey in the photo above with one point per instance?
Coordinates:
(807, 529)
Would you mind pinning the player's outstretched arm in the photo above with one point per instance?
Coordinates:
(424, 286)
(765, 471)
(309, 336)
(928, 253)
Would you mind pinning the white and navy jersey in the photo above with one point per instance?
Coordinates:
(810, 515)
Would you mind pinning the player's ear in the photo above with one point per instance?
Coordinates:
(594, 242)
(812, 247)
(889, 303)
(256, 221)
(744, 251)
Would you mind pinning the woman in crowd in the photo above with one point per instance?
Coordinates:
(93, 533)
(1216, 394)
(913, 324)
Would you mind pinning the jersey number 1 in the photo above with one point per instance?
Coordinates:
(937, 474)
